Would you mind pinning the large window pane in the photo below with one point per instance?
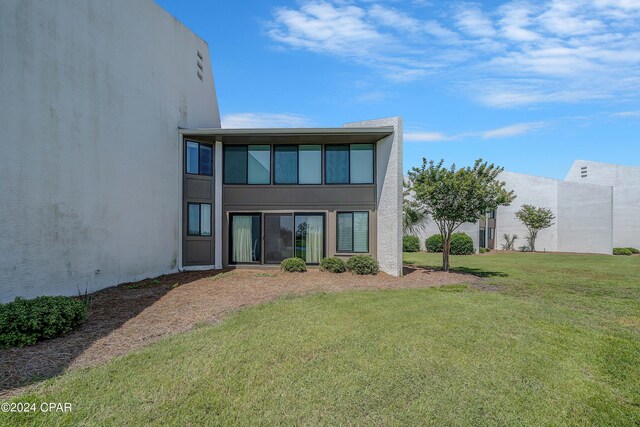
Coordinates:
(286, 164)
(192, 157)
(345, 232)
(310, 161)
(235, 164)
(360, 232)
(205, 219)
(361, 163)
(259, 164)
(245, 238)
(337, 164)
(278, 237)
(193, 221)
(206, 160)
(309, 231)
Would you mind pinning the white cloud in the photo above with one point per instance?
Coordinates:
(264, 120)
(425, 136)
(520, 53)
(513, 130)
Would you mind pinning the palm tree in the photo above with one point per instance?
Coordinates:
(414, 218)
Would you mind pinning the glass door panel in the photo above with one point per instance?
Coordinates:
(245, 238)
(309, 233)
(278, 237)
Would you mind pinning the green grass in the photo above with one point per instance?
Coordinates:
(557, 344)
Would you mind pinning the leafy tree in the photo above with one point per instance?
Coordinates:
(453, 196)
(535, 219)
(413, 218)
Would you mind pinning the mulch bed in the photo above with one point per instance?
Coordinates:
(126, 317)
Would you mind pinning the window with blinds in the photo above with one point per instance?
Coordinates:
(352, 232)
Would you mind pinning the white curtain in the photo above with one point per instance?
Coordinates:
(242, 239)
(314, 241)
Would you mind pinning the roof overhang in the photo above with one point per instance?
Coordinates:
(291, 135)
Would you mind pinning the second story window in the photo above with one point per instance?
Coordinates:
(297, 164)
(349, 164)
(199, 159)
(247, 164)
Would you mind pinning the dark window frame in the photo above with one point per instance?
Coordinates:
(348, 164)
(324, 232)
(293, 232)
(199, 205)
(186, 153)
(246, 160)
(273, 166)
(353, 233)
(260, 238)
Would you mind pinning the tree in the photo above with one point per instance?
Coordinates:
(413, 218)
(452, 197)
(535, 219)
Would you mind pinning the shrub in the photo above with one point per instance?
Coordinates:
(333, 265)
(622, 251)
(461, 244)
(484, 250)
(634, 250)
(25, 322)
(293, 265)
(410, 244)
(433, 243)
(363, 264)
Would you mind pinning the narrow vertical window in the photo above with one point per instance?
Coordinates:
(337, 164)
(193, 221)
(259, 164)
(361, 164)
(206, 160)
(285, 164)
(192, 157)
(345, 232)
(235, 164)
(361, 232)
(310, 164)
(205, 219)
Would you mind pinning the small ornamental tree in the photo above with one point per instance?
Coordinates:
(453, 196)
(414, 219)
(535, 219)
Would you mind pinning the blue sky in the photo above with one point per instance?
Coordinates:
(530, 86)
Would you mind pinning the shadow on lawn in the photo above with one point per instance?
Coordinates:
(408, 269)
(109, 309)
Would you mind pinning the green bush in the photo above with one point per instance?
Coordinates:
(634, 250)
(25, 322)
(333, 265)
(410, 244)
(293, 265)
(433, 243)
(461, 244)
(622, 251)
(363, 264)
(484, 250)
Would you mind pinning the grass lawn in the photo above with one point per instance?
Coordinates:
(554, 341)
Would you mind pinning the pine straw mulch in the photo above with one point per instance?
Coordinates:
(131, 315)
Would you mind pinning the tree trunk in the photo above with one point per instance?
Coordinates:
(446, 248)
(533, 241)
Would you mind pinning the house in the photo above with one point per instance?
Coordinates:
(115, 167)
(595, 207)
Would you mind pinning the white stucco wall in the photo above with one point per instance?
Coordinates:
(625, 181)
(584, 218)
(532, 190)
(92, 95)
(389, 194)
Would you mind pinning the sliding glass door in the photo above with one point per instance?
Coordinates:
(245, 244)
(278, 237)
(309, 237)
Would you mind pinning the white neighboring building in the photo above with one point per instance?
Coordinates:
(597, 208)
(625, 181)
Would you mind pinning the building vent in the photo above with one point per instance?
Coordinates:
(200, 65)
(583, 172)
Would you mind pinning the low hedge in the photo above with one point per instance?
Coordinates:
(363, 264)
(333, 265)
(27, 321)
(461, 244)
(484, 250)
(622, 251)
(410, 244)
(634, 250)
(433, 243)
(293, 265)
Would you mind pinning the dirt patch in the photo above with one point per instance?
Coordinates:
(129, 316)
